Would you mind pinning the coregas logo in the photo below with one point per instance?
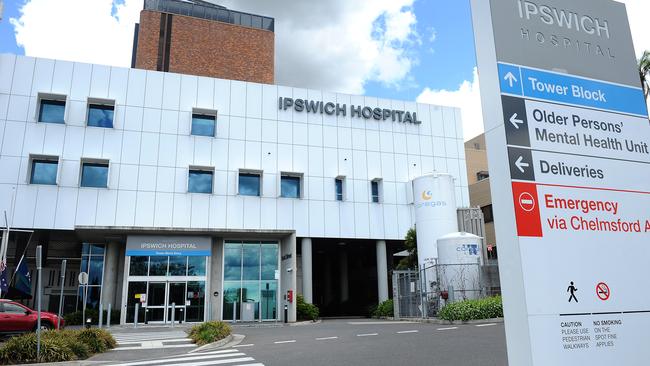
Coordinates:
(471, 249)
(426, 195)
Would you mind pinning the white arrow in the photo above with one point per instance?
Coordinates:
(520, 164)
(510, 78)
(516, 121)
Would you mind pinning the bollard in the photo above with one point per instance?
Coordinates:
(173, 313)
(101, 315)
(259, 307)
(108, 316)
(135, 316)
(234, 312)
(286, 313)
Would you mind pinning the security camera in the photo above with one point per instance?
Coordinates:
(289, 269)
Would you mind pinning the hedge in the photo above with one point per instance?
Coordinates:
(384, 309)
(487, 308)
(56, 346)
(209, 332)
(75, 318)
(306, 311)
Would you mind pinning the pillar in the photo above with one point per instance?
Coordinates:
(109, 284)
(307, 290)
(288, 276)
(343, 268)
(382, 271)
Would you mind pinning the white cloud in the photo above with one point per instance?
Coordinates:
(336, 45)
(78, 30)
(467, 97)
(637, 11)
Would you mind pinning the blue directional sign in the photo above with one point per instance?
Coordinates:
(567, 89)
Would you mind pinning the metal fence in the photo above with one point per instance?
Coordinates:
(422, 293)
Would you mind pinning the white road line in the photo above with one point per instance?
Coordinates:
(379, 323)
(486, 325)
(281, 342)
(182, 358)
(367, 335)
(214, 352)
(245, 345)
(450, 328)
(213, 362)
(158, 340)
(326, 338)
(167, 346)
(251, 364)
(408, 331)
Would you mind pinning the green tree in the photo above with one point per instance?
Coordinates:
(644, 72)
(411, 244)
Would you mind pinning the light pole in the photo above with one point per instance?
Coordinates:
(39, 267)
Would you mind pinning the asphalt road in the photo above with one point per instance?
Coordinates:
(331, 342)
(366, 342)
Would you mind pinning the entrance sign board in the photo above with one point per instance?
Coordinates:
(168, 246)
(568, 147)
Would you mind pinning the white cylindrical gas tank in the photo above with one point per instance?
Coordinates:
(434, 197)
(459, 259)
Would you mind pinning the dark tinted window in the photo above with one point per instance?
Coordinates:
(375, 191)
(290, 187)
(51, 111)
(100, 115)
(203, 125)
(94, 175)
(339, 189)
(44, 172)
(249, 184)
(200, 181)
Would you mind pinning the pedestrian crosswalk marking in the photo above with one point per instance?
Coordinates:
(230, 357)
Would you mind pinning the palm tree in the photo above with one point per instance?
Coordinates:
(644, 72)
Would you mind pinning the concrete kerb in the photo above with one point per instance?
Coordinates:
(230, 341)
(454, 322)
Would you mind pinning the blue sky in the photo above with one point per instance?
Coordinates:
(443, 63)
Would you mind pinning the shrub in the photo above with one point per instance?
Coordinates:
(385, 309)
(56, 346)
(209, 332)
(97, 340)
(306, 311)
(22, 349)
(487, 308)
(75, 318)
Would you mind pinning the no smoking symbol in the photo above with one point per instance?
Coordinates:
(602, 291)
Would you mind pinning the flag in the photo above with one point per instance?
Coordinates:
(4, 284)
(23, 278)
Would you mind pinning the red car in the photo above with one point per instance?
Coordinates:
(18, 318)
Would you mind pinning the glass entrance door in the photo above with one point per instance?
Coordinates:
(156, 302)
(176, 296)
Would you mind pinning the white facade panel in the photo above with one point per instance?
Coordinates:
(150, 150)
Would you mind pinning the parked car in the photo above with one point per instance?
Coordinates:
(18, 318)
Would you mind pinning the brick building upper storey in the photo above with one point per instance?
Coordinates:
(200, 38)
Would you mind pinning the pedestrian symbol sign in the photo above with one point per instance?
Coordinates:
(572, 289)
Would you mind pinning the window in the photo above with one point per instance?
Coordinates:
(249, 184)
(375, 191)
(482, 175)
(13, 309)
(94, 175)
(200, 181)
(338, 183)
(477, 146)
(290, 186)
(488, 216)
(44, 171)
(51, 109)
(92, 262)
(100, 114)
(251, 274)
(203, 125)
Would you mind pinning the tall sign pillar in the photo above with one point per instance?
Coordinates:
(568, 138)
